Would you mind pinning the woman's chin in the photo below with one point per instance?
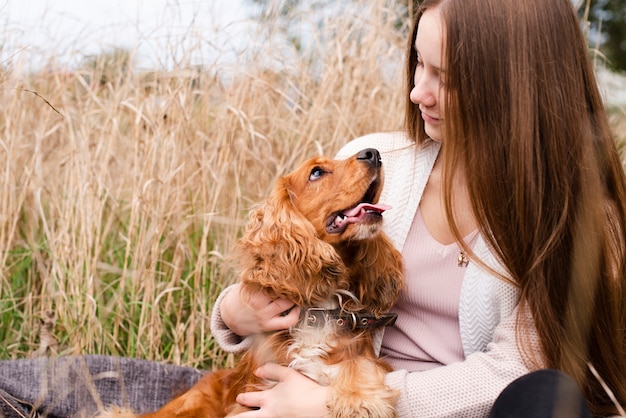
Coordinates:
(433, 133)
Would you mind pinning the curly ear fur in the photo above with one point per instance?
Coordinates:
(377, 269)
(281, 253)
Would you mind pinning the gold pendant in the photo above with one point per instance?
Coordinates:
(462, 260)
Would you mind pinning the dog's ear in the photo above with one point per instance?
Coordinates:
(281, 253)
(382, 276)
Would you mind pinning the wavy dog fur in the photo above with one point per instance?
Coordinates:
(317, 241)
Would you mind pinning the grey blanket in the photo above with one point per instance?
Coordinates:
(78, 386)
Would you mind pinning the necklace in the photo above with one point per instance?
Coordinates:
(463, 261)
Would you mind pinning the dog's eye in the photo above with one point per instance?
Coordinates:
(315, 174)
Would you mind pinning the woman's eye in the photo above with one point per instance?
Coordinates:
(418, 60)
(315, 174)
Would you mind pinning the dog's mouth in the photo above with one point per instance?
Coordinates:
(364, 211)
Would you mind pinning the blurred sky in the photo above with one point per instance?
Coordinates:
(161, 31)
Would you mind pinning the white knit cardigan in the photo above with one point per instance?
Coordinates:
(487, 307)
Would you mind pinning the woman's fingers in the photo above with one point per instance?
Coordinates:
(250, 399)
(285, 318)
(273, 372)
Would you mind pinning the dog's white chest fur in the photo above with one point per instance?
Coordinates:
(310, 349)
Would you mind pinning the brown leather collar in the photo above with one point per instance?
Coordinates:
(318, 317)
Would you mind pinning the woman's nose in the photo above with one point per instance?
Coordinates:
(422, 93)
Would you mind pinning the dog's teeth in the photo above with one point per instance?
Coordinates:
(338, 219)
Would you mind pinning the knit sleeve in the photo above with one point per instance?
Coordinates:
(227, 339)
(467, 388)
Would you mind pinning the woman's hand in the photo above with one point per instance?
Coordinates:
(294, 396)
(257, 312)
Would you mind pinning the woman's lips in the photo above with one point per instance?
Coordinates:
(429, 119)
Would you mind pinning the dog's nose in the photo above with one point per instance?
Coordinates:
(370, 155)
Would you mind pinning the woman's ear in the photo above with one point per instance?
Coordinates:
(281, 253)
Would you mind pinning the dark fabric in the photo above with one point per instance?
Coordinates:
(541, 394)
(77, 386)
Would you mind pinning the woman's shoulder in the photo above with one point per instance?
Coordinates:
(384, 142)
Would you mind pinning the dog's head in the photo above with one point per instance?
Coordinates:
(320, 228)
(338, 197)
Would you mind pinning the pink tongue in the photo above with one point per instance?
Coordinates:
(366, 207)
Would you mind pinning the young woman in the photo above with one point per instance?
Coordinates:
(509, 206)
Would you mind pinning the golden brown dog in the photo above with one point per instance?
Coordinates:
(316, 241)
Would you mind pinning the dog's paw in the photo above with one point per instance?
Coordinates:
(116, 412)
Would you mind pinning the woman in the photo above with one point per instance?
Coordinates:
(510, 209)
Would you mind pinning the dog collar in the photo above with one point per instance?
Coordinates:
(318, 317)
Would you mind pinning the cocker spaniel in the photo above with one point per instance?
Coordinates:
(316, 241)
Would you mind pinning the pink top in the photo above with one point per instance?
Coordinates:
(426, 334)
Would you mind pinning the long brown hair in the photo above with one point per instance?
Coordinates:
(526, 122)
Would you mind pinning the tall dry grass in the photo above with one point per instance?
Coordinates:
(122, 190)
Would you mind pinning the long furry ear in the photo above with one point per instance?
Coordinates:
(281, 253)
(381, 274)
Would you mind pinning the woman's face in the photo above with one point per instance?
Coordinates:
(429, 91)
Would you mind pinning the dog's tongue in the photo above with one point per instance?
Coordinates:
(362, 208)
(354, 215)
